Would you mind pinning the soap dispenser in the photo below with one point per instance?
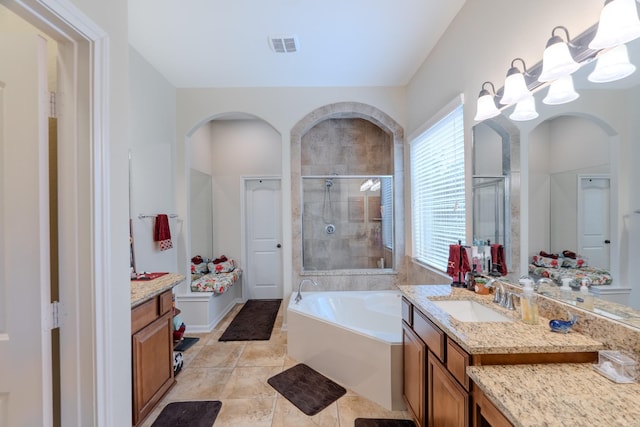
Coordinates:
(585, 300)
(565, 289)
(528, 303)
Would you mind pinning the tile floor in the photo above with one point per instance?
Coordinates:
(236, 373)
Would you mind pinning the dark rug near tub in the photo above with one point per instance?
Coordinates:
(382, 422)
(188, 414)
(254, 322)
(307, 389)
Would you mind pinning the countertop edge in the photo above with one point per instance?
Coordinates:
(142, 291)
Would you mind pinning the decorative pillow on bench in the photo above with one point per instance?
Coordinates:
(222, 267)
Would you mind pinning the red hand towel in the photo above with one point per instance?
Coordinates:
(497, 255)
(458, 264)
(162, 232)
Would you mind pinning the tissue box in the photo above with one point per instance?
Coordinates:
(617, 366)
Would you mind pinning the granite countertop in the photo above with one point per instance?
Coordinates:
(142, 290)
(494, 337)
(558, 395)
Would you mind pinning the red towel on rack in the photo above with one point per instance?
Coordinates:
(458, 263)
(162, 232)
(497, 255)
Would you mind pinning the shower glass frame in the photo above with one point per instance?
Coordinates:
(344, 228)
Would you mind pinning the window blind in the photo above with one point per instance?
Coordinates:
(437, 189)
(386, 200)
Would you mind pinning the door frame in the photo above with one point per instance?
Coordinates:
(243, 227)
(86, 312)
(579, 210)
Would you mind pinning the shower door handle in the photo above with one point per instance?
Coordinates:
(278, 246)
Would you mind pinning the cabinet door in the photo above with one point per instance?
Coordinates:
(448, 402)
(152, 350)
(414, 354)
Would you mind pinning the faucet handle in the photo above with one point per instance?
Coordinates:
(509, 300)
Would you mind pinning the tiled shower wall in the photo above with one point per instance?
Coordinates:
(343, 147)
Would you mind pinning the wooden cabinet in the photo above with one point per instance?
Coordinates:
(436, 387)
(152, 353)
(414, 357)
(448, 402)
(485, 414)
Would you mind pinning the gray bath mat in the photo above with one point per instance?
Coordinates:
(307, 389)
(254, 321)
(382, 422)
(189, 414)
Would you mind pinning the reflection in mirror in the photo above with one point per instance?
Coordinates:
(489, 205)
(495, 196)
(569, 189)
(581, 161)
(201, 215)
(347, 222)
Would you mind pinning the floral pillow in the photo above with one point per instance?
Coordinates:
(222, 267)
(199, 265)
(578, 262)
(541, 261)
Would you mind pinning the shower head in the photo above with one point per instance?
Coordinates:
(328, 182)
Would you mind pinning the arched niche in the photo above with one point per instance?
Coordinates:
(349, 279)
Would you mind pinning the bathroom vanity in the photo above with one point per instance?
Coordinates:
(440, 353)
(151, 342)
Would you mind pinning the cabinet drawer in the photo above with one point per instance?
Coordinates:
(166, 302)
(144, 314)
(407, 313)
(432, 336)
(457, 362)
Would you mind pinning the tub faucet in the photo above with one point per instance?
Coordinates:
(299, 296)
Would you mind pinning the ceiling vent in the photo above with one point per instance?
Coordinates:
(284, 44)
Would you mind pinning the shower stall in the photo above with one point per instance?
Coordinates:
(347, 222)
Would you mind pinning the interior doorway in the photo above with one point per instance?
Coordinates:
(83, 222)
(263, 239)
(594, 225)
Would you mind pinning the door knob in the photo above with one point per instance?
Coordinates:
(278, 246)
(607, 241)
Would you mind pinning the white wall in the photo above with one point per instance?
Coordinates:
(152, 137)
(240, 148)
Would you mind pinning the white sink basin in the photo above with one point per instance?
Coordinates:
(471, 311)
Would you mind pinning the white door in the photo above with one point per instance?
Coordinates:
(263, 216)
(593, 220)
(25, 340)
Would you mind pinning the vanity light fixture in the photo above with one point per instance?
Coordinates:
(486, 105)
(618, 24)
(375, 186)
(525, 110)
(515, 87)
(612, 65)
(561, 91)
(556, 59)
(366, 186)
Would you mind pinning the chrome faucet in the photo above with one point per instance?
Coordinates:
(498, 292)
(299, 295)
(501, 296)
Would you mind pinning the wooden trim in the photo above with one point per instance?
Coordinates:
(144, 314)
(407, 311)
(485, 410)
(533, 358)
(429, 333)
(457, 362)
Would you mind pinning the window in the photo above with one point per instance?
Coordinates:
(386, 197)
(437, 187)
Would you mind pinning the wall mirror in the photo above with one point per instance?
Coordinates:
(580, 161)
(494, 192)
(347, 222)
(201, 213)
